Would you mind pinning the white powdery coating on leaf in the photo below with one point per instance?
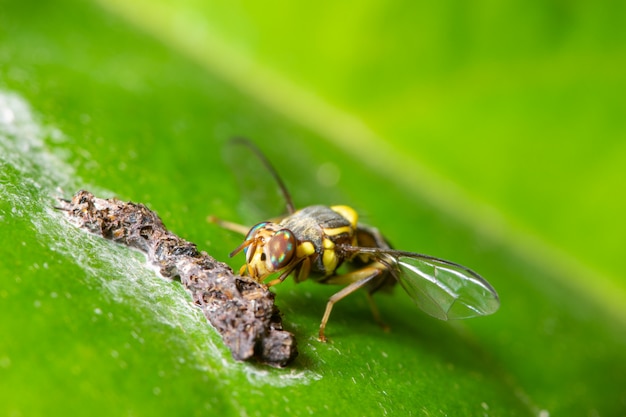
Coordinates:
(125, 277)
(41, 174)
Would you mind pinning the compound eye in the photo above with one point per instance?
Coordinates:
(251, 234)
(281, 248)
(255, 229)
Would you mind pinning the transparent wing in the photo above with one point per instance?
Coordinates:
(264, 195)
(443, 289)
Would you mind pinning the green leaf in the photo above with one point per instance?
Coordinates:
(469, 133)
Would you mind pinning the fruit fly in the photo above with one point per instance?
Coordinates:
(315, 241)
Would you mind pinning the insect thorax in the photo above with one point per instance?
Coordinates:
(319, 230)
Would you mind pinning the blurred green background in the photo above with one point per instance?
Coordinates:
(492, 135)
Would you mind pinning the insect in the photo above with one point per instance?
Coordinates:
(315, 241)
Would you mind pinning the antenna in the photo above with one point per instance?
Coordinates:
(268, 165)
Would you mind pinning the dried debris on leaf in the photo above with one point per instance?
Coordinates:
(241, 309)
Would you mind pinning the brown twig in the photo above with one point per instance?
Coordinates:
(241, 309)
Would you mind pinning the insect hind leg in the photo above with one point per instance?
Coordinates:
(356, 279)
(376, 313)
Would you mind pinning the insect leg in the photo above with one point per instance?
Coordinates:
(238, 228)
(282, 277)
(357, 279)
(376, 313)
(301, 269)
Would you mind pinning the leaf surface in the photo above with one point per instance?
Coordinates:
(96, 97)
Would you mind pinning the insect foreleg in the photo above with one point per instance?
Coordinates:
(238, 228)
(356, 279)
(282, 276)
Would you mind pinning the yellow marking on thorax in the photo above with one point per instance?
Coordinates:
(329, 258)
(338, 230)
(305, 249)
(347, 213)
